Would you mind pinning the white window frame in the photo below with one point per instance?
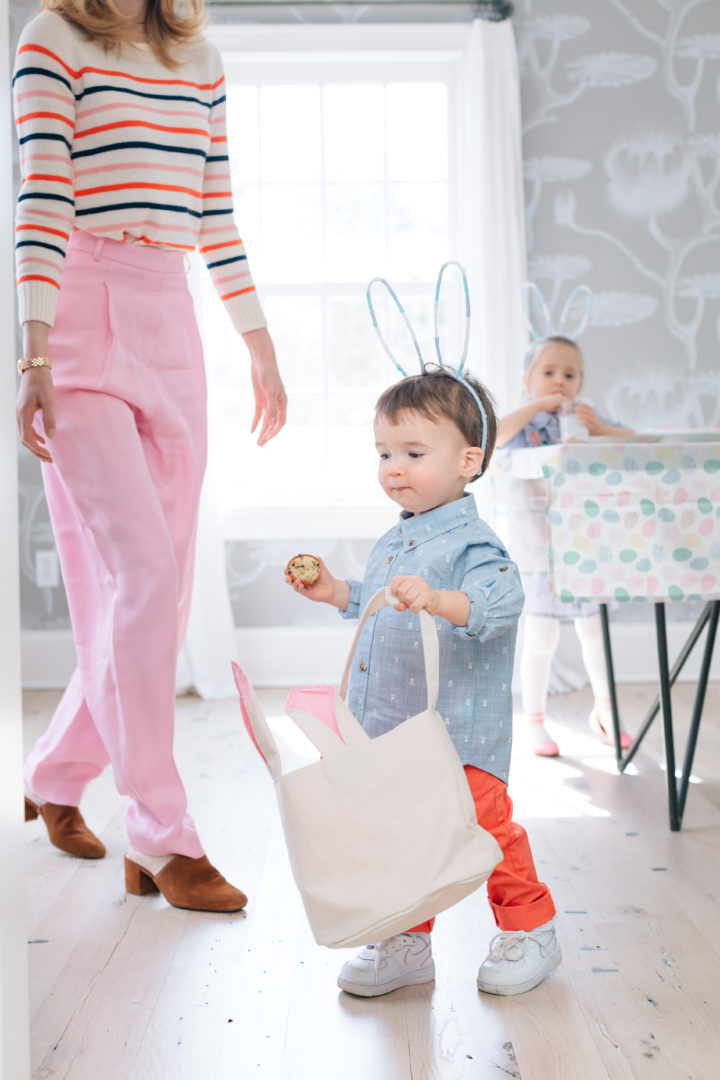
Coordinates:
(413, 48)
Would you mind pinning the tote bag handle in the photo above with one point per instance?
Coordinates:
(431, 649)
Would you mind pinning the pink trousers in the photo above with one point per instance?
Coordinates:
(123, 493)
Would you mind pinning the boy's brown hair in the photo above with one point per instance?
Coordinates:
(436, 394)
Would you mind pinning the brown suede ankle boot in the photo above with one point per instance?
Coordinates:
(194, 884)
(66, 829)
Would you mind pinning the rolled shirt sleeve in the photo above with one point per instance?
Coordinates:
(496, 595)
(352, 611)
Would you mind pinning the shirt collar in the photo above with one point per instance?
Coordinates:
(418, 528)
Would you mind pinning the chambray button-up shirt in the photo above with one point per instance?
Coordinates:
(453, 549)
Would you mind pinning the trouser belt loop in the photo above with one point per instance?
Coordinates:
(99, 245)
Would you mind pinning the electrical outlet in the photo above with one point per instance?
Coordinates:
(47, 572)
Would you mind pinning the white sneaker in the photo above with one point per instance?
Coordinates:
(402, 960)
(519, 960)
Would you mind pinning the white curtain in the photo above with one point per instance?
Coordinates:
(494, 233)
(204, 662)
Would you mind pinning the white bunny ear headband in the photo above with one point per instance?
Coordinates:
(574, 316)
(448, 371)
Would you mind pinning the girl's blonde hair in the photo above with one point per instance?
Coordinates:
(165, 28)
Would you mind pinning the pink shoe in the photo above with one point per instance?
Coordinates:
(596, 725)
(543, 745)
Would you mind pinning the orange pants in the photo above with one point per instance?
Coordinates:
(518, 900)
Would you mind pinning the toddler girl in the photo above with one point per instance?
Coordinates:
(553, 380)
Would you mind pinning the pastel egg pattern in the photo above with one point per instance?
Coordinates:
(634, 523)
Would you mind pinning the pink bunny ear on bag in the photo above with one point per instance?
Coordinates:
(318, 701)
(255, 722)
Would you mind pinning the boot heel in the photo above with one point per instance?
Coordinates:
(31, 810)
(137, 881)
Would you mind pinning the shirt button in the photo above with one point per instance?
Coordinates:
(410, 543)
(363, 666)
(389, 558)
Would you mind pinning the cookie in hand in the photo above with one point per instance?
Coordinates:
(305, 568)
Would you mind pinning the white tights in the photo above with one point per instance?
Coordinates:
(541, 641)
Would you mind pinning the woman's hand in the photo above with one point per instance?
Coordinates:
(270, 397)
(36, 393)
(326, 590)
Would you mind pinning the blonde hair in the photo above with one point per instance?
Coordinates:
(165, 28)
(538, 347)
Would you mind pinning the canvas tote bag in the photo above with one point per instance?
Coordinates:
(382, 833)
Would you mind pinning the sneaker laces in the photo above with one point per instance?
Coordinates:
(513, 944)
(386, 947)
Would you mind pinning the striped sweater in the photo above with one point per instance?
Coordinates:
(119, 145)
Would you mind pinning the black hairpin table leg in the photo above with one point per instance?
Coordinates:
(676, 795)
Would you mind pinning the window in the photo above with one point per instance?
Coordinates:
(343, 167)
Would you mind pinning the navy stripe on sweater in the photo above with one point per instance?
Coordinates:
(107, 207)
(39, 243)
(107, 147)
(224, 262)
(41, 71)
(44, 135)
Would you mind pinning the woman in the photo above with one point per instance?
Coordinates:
(120, 109)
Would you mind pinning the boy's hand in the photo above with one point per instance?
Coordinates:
(326, 590)
(414, 593)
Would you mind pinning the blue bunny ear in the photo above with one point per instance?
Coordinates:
(408, 325)
(436, 315)
(536, 312)
(576, 313)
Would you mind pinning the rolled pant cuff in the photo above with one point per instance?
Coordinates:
(525, 917)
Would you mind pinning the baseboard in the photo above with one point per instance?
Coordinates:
(301, 655)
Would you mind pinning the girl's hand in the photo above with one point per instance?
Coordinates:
(590, 419)
(552, 402)
(36, 394)
(414, 593)
(326, 590)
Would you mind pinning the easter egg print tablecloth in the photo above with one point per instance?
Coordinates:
(633, 521)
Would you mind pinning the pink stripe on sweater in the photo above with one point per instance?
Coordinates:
(232, 277)
(44, 94)
(48, 214)
(128, 227)
(39, 262)
(140, 165)
(46, 157)
(195, 114)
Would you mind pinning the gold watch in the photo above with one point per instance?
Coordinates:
(34, 361)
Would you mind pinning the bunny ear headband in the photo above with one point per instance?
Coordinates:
(576, 310)
(448, 371)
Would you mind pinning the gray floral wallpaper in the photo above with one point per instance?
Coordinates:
(622, 166)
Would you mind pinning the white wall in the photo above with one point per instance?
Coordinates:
(14, 1037)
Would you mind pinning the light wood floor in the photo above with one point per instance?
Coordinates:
(128, 988)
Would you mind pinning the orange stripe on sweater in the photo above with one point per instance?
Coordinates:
(239, 292)
(142, 124)
(215, 247)
(37, 277)
(44, 116)
(47, 176)
(140, 184)
(122, 74)
(44, 228)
